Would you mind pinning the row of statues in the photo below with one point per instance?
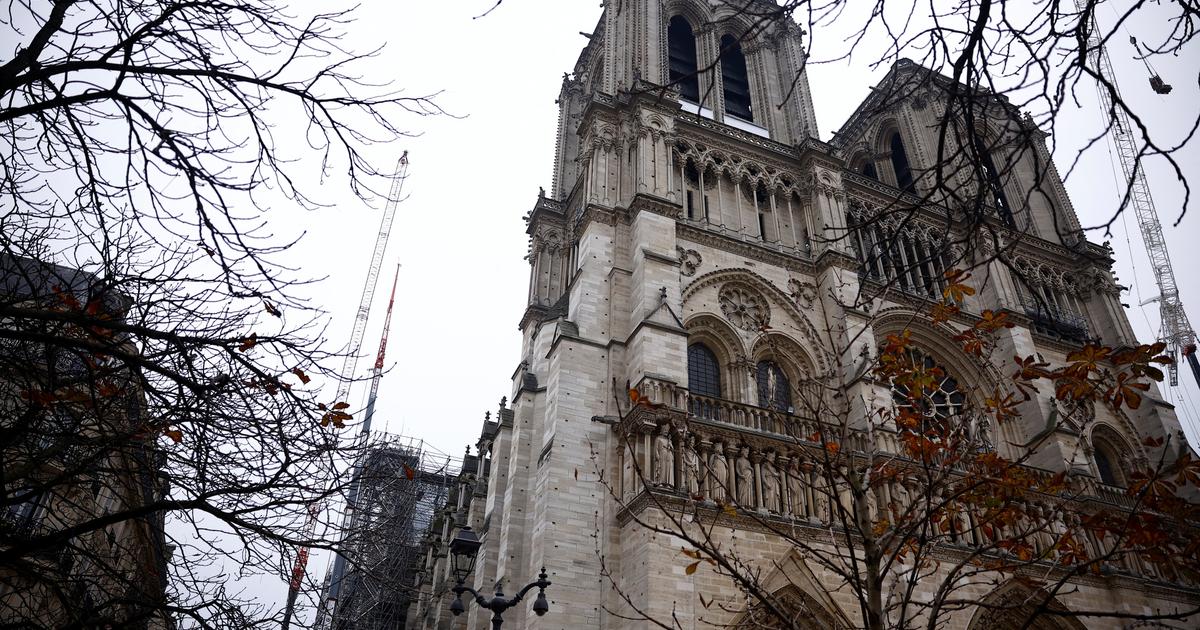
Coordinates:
(727, 472)
(791, 484)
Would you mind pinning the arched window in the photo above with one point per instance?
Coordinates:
(904, 177)
(681, 55)
(940, 399)
(992, 180)
(736, 79)
(704, 373)
(1108, 460)
(1106, 467)
(774, 391)
(868, 170)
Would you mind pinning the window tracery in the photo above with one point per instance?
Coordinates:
(774, 390)
(939, 399)
(744, 308)
(704, 372)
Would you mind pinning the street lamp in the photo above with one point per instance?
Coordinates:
(463, 549)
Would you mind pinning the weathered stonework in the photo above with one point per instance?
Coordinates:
(672, 223)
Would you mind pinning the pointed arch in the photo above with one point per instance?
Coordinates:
(1017, 605)
(795, 592)
(682, 66)
(735, 79)
(778, 299)
(1111, 456)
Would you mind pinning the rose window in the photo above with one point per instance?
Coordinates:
(743, 308)
(941, 397)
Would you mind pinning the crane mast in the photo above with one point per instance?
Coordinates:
(368, 292)
(349, 365)
(1176, 329)
(377, 371)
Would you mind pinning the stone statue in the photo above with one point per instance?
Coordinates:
(718, 475)
(900, 499)
(821, 498)
(664, 458)
(872, 505)
(797, 503)
(770, 485)
(745, 478)
(628, 476)
(691, 468)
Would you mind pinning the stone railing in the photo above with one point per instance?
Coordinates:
(763, 422)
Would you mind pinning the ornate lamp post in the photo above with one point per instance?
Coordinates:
(463, 549)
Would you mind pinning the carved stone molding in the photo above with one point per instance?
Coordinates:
(805, 293)
(689, 261)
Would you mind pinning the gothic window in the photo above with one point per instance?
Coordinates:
(704, 373)
(774, 391)
(1107, 457)
(992, 180)
(1106, 467)
(736, 79)
(865, 166)
(904, 176)
(941, 399)
(681, 55)
(22, 512)
(766, 223)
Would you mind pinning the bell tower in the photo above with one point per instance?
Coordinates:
(606, 269)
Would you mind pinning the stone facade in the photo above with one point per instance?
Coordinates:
(673, 223)
(71, 466)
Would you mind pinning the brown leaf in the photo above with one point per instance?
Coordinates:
(340, 406)
(248, 342)
(691, 568)
(270, 308)
(408, 473)
(175, 434)
(301, 375)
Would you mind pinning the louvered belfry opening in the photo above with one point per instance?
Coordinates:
(736, 79)
(681, 53)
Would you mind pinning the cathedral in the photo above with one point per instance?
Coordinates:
(701, 246)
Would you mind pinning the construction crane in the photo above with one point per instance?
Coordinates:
(377, 371)
(368, 293)
(349, 365)
(1177, 332)
(338, 569)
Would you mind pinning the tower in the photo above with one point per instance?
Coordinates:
(701, 245)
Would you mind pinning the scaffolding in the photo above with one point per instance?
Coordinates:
(401, 483)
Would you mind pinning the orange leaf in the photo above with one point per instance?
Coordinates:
(691, 568)
(175, 434)
(408, 473)
(634, 395)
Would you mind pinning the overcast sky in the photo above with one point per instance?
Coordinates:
(460, 237)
